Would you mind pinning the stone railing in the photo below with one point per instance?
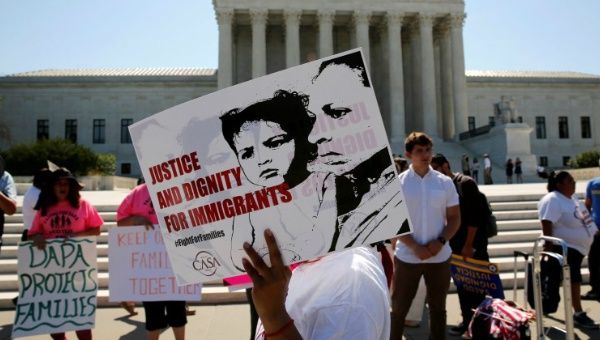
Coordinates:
(482, 130)
(91, 183)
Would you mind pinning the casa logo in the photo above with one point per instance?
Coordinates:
(206, 263)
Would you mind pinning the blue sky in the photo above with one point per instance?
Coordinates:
(553, 35)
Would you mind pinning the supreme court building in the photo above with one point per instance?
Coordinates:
(414, 51)
(415, 55)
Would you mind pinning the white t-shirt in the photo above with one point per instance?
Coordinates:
(427, 199)
(487, 163)
(343, 295)
(29, 201)
(570, 221)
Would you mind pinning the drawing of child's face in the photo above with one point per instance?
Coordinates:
(264, 151)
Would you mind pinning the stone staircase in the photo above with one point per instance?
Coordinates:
(212, 292)
(514, 206)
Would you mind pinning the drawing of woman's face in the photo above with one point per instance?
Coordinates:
(264, 151)
(335, 100)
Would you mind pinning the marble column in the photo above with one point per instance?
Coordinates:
(446, 79)
(361, 22)
(326, 18)
(428, 98)
(415, 113)
(259, 44)
(225, 72)
(396, 91)
(459, 81)
(292, 37)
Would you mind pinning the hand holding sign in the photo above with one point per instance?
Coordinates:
(270, 284)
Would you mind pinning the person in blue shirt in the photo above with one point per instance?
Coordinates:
(8, 196)
(592, 202)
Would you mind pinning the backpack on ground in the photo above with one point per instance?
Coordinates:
(489, 220)
(550, 279)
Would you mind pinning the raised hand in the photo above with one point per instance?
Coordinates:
(270, 289)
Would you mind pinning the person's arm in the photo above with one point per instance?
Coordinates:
(471, 202)
(452, 225)
(467, 250)
(7, 204)
(547, 227)
(270, 290)
(421, 251)
(588, 197)
(547, 231)
(135, 220)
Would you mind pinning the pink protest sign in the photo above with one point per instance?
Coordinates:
(140, 270)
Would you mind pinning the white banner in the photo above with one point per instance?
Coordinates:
(139, 268)
(303, 152)
(57, 287)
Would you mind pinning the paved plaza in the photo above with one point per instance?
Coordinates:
(232, 321)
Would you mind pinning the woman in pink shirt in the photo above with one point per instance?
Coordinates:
(62, 213)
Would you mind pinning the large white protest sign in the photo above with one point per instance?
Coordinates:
(303, 152)
(139, 268)
(57, 287)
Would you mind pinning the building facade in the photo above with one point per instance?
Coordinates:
(415, 53)
(414, 50)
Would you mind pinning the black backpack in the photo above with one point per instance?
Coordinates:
(489, 220)
(550, 279)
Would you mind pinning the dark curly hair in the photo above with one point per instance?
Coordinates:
(290, 111)
(48, 198)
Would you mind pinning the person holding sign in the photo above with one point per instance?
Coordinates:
(137, 209)
(273, 152)
(62, 213)
(343, 295)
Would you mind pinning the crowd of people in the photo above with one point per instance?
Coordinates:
(354, 301)
(443, 206)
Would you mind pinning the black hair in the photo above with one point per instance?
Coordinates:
(353, 61)
(290, 111)
(47, 197)
(41, 177)
(555, 178)
(439, 159)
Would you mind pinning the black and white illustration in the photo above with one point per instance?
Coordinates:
(302, 152)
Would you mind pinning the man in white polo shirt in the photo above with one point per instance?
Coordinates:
(435, 214)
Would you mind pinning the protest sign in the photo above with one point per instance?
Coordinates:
(57, 287)
(139, 268)
(302, 151)
(476, 276)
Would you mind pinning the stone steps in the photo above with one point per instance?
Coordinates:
(517, 224)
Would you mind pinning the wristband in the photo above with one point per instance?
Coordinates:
(280, 330)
